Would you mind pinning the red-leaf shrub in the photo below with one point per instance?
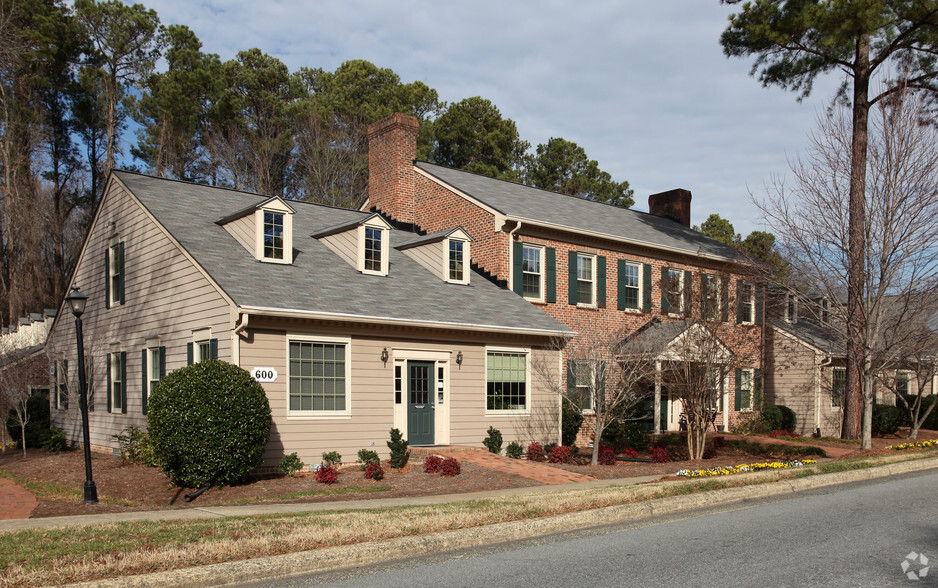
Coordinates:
(327, 474)
(536, 452)
(373, 471)
(450, 467)
(629, 452)
(607, 456)
(660, 455)
(560, 454)
(432, 464)
(783, 433)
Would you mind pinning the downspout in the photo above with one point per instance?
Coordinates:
(817, 392)
(511, 254)
(236, 337)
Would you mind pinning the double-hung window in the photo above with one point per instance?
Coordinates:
(838, 385)
(153, 367)
(61, 384)
(457, 257)
(902, 382)
(114, 284)
(586, 279)
(745, 293)
(319, 377)
(791, 308)
(116, 384)
(586, 382)
(632, 285)
(744, 388)
(273, 235)
(710, 287)
(673, 286)
(373, 249)
(532, 272)
(202, 347)
(506, 381)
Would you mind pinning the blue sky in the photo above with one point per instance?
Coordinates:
(643, 87)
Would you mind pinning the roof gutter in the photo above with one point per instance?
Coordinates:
(380, 320)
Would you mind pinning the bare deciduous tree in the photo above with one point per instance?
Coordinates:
(901, 253)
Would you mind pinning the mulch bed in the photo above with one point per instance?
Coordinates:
(148, 489)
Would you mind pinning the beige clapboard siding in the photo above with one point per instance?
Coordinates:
(345, 245)
(371, 395)
(244, 231)
(429, 256)
(793, 382)
(165, 296)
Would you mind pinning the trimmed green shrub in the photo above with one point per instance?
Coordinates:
(135, 446)
(778, 417)
(493, 441)
(570, 422)
(886, 419)
(788, 417)
(619, 435)
(37, 427)
(291, 464)
(514, 450)
(57, 441)
(208, 423)
(398, 447)
(333, 458)
(367, 456)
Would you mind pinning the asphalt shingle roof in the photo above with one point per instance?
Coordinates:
(319, 280)
(533, 204)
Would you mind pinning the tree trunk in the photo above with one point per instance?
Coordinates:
(856, 276)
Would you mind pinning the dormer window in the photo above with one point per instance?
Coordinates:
(456, 260)
(374, 237)
(446, 253)
(273, 235)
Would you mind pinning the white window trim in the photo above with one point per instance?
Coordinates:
(834, 370)
(682, 304)
(113, 254)
(752, 304)
(825, 310)
(526, 351)
(752, 387)
(908, 380)
(200, 336)
(541, 275)
(714, 293)
(465, 260)
(592, 258)
(153, 348)
(592, 363)
(641, 285)
(287, 235)
(117, 406)
(61, 379)
(385, 247)
(318, 415)
(791, 302)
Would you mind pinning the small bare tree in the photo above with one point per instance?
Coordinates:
(901, 253)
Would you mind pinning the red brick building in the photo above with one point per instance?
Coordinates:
(583, 262)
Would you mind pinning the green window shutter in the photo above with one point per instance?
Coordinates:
(145, 381)
(739, 390)
(758, 305)
(571, 378)
(646, 287)
(107, 277)
(517, 268)
(601, 281)
(704, 290)
(189, 354)
(124, 382)
(213, 348)
(688, 289)
(601, 393)
(108, 382)
(724, 300)
(739, 302)
(120, 276)
(722, 391)
(550, 275)
(665, 305)
(620, 285)
(571, 278)
(162, 362)
(756, 389)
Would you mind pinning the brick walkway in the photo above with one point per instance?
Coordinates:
(15, 502)
(532, 470)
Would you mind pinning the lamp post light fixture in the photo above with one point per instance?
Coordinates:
(76, 301)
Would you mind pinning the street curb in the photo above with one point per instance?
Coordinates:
(376, 552)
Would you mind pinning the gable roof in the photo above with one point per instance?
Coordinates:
(570, 213)
(318, 282)
(663, 340)
(822, 338)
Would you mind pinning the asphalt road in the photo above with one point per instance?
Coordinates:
(852, 535)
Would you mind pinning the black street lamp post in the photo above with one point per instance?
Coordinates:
(76, 300)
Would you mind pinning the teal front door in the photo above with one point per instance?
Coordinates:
(420, 403)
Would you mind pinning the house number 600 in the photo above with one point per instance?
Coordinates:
(264, 374)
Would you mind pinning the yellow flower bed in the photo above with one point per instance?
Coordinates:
(929, 443)
(752, 467)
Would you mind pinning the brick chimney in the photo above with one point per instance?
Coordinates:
(673, 204)
(392, 148)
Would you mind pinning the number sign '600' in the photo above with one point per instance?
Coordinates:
(264, 374)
